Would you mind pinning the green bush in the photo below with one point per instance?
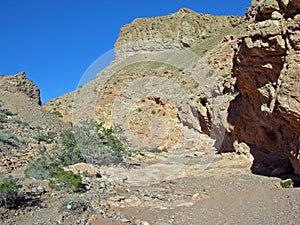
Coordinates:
(48, 137)
(288, 183)
(91, 142)
(100, 145)
(70, 155)
(10, 195)
(68, 139)
(66, 180)
(41, 167)
(3, 118)
(156, 150)
(6, 136)
(6, 112)
(20, 122)
(57, 113)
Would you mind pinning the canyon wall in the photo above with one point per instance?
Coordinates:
(266, 113)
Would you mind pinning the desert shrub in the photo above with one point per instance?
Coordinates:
(19, 121)
(57, 113)
(10, 195)
(75, 205)
(70, 155)
(68, 139)
(6, 112)
(48, 137)
(42, 166)
(3, 118)
(6, 136)
(100, 145)
(66, 180)
(91, 142)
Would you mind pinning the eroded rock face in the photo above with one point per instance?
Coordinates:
(266, 9)
(179, 30)
(19, 83)
(165, 61)
(266, 113)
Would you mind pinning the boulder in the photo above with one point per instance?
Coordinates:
(89, 169)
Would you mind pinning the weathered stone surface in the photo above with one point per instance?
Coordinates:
(266, 114)
(160, 41)
(263, 9)
(19, 83)
(89, 169)
(179, 30)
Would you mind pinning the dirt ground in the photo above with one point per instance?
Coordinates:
(225, 192)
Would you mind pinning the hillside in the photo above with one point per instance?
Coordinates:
(201, 59)
(197, 121)
(25, 127)
(192, 67)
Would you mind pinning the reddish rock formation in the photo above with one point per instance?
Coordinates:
(266, 113)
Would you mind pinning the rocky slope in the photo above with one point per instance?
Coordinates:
(203, 32)
(239, 77)
(183, 29)
(25, 127)
(184, 61)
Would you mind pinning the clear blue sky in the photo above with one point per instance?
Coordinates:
(54, 41)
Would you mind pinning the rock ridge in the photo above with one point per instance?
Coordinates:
(179, 30)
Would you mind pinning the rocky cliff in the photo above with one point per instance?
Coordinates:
(189, 49)
(21, 96)
(183, 29)
(266, 113)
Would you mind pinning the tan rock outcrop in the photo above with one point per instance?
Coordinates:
(264, 116)
(81, 168)
(19, 83)
(183, 29)
(21, 96)
(166, 50)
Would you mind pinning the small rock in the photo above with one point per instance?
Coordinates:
(276, 16)
(125, 220)
(119, 198)
(195, 196)
(297, 17)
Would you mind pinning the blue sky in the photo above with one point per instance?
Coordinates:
(55, 41)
